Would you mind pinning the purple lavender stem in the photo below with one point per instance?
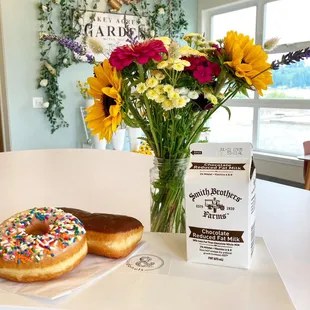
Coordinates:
(70, 44)
(291, 58)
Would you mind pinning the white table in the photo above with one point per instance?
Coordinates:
(283, 214)
(174, 283)
(307, 176)
(37, 177)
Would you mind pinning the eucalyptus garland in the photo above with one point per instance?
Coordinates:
(166, 18)
(55, 56)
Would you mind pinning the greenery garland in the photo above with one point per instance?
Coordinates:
(167, 18)
(53, 56)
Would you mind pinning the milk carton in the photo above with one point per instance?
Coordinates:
(220, 204)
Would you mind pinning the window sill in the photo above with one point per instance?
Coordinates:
(281, 159)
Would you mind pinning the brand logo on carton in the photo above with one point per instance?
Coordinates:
(214, 205)
(214, 192)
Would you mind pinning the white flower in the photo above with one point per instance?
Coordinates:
(81, 21)
(65, 61)
(46, 104)
(161, 11)
(182, 90)
(193, 94)
(43, 83)
(152, 33)
(44, 8)
(185, 98)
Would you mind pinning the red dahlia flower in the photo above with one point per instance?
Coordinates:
(217, 48)
(194, 61)
(143, 52)
(204, 72)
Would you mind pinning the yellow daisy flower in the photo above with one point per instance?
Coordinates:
(200, 43)
(161, 99)
(141, 88)
(248, 60)
(172, 60)
(211, 98)
(151, 82)
(173, 95)
(188, 51)
(167, 105)
(159, 76)
(178, 67)
(154, 72)
(151, 94)
(104, 116)
(159, 89)
(165, 40)
(163, 64)
(179, 103)
(185, 63)
(168, 88)
(193, 35)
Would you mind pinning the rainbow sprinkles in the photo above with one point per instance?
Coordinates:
(38, 233)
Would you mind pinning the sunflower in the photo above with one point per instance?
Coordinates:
(104, 116)
(248, 60)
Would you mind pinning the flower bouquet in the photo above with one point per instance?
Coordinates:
(170, 91)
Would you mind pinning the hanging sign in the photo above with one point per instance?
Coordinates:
(109, 29)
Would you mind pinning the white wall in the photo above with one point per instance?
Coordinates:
(289, 170)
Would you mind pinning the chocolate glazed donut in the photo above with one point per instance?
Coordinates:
(109, 235)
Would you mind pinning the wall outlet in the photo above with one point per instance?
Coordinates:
(37, 102)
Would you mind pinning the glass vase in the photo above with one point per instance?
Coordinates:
(167, 195)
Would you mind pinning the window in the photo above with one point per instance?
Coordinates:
(243, 21)
(283, 130)
(279, 122)
(240, 125)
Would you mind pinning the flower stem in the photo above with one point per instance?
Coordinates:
(149, 114)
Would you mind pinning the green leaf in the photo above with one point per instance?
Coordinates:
(244, 91)
(228, 111)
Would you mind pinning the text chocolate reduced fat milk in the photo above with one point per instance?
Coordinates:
(220, 204)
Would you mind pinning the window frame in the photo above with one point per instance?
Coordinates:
(256, 103)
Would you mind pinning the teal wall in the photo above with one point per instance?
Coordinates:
(29, 128)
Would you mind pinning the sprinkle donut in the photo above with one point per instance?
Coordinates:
(40, 244)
